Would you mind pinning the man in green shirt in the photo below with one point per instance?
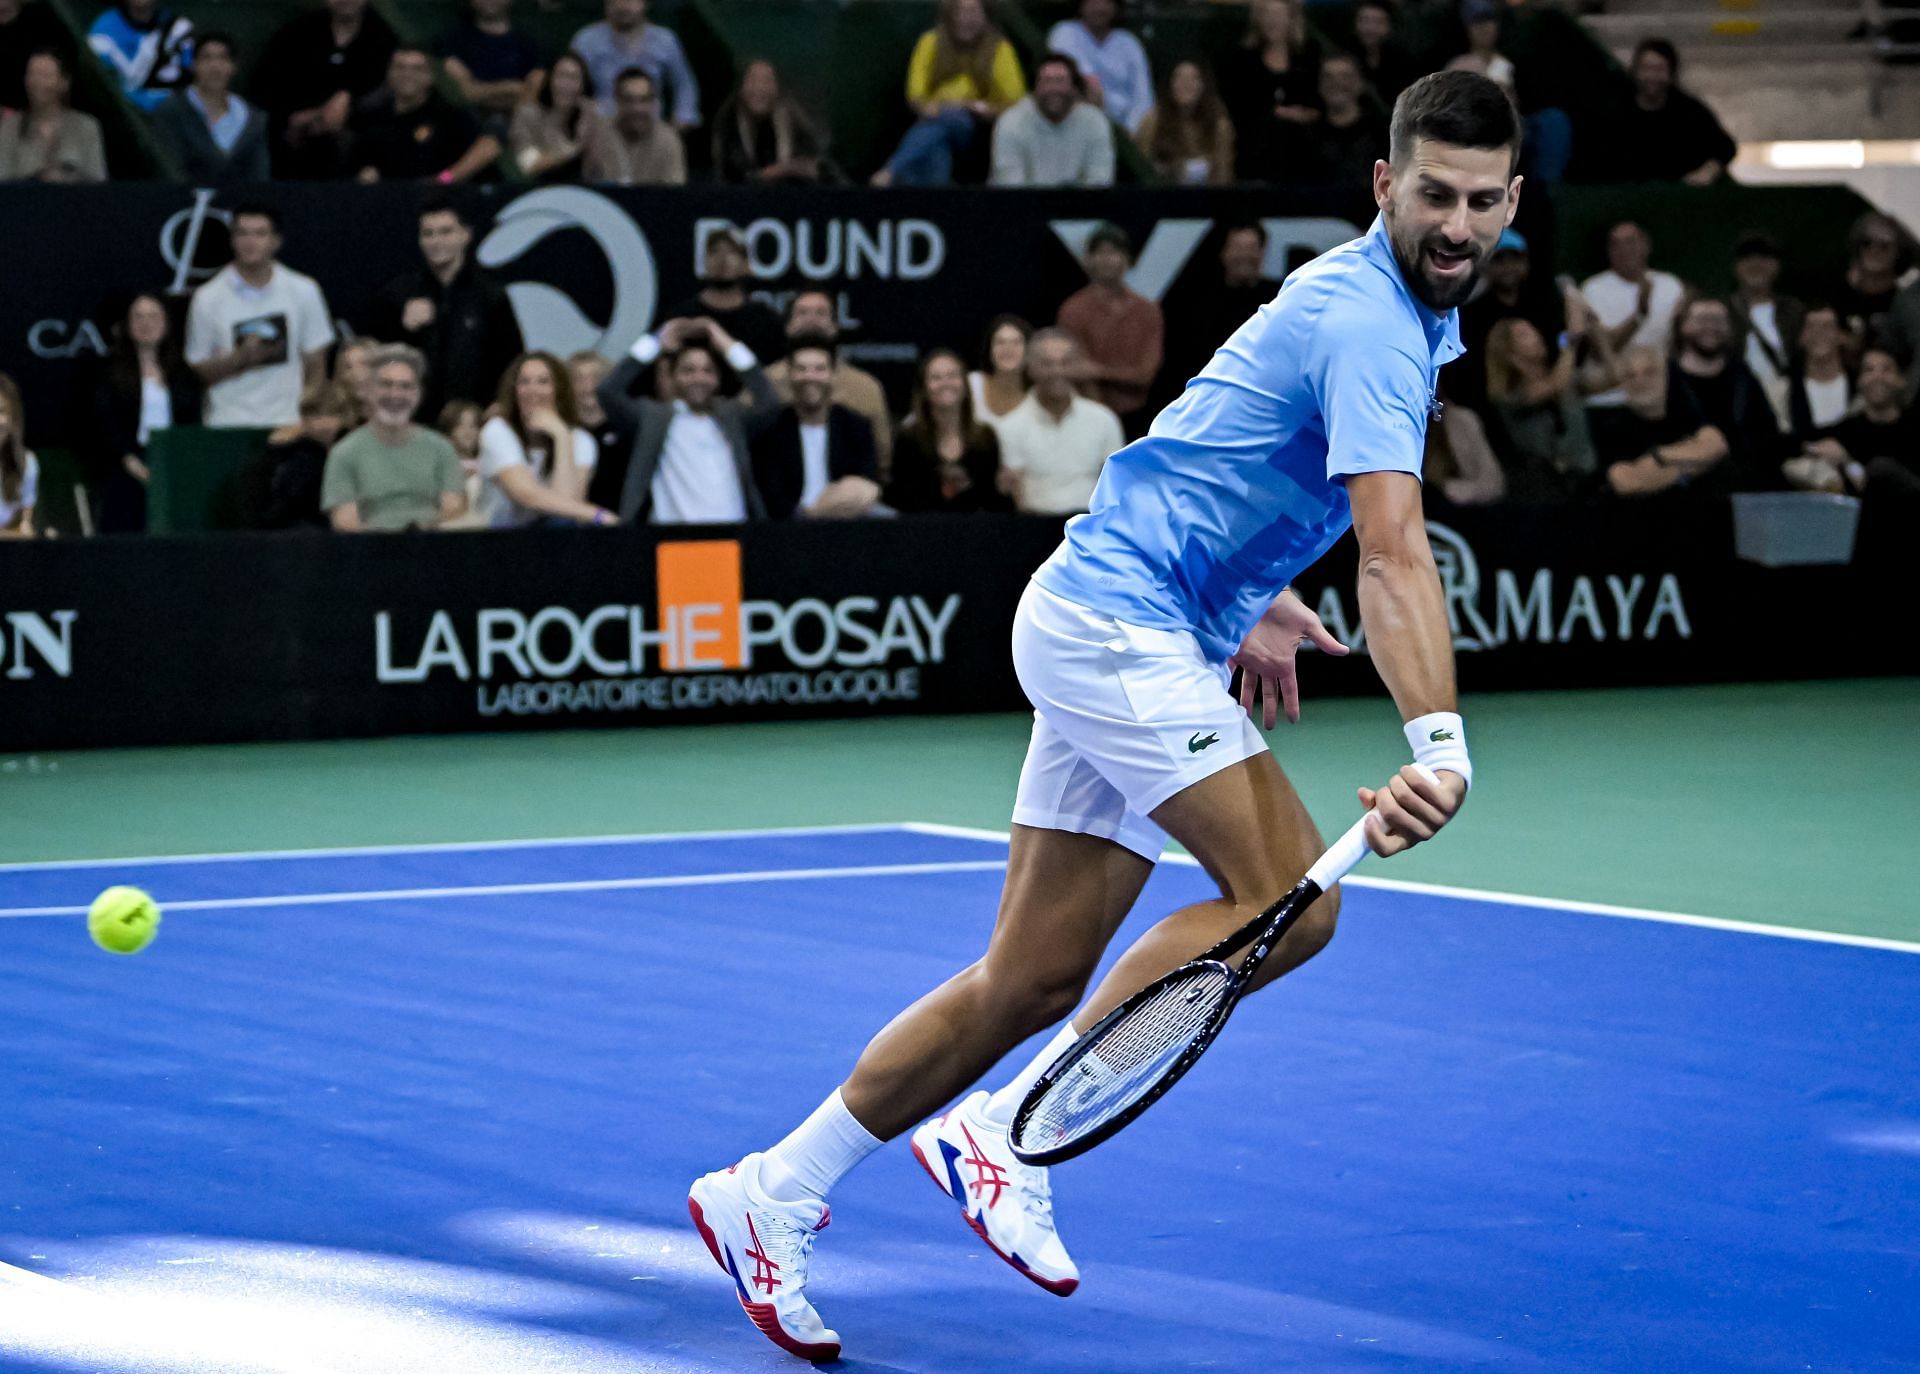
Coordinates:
(391, 474)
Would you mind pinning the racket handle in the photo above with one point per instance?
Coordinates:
(1339, 861)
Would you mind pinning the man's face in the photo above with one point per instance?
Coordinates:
(254, 241)
(1097, 15)
(1706, 329)
(1821, 332)
(1652, 77)
(410, 75)
(444, 240)
(1880, 383)
(1107, 264)
(1445, 210)
(347, 11)
(46, 84)
(1507, 272)
(634, 103)
(695, 378)
(1628, 249)
(1048, 363)
(626, 15)
(812, 312)
(1053, 92)
(213, 67)
(1879, 246)
(810, 372)
(1241, 257)
(725, 262)
(586, 375)
(1371, 25)
(1339, 83)
(1757, 272)
(1643, 377)
(488, 11)
(396, 394)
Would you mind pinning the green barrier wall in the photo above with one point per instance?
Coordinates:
(196, 478)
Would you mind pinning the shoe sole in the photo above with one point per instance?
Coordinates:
(761, 1314)
(1060, 1288)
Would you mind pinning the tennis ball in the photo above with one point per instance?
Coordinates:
(123, 920)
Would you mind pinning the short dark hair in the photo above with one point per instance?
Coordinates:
(634, 74)
(1110, 235)
(699, 343)
(1386, 5)
(1659, 47)
(1051, 58)
(1460, 108)
(417, 49)
(1245, 226)
(1756, 243)
(257, 209)
(801, 343)
(794, 299)
(440, 203)
(209, 37)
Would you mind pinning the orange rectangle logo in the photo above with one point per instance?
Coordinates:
(699, 582)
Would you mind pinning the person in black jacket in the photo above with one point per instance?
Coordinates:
(817, 460)
(1655, 131)
(944, 457)
(314, 69)
(145, 386)
(220, 139)
(456, 314)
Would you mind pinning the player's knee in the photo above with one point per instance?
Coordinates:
(1032, 999)
(1315, 929)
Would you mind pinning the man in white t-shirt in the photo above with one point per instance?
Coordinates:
(258, 333)
(1054, 443)
(1633, 303)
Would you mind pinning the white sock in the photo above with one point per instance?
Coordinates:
(1003, 1104)
(821, 1150)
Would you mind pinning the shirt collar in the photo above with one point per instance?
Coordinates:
(1442, 327)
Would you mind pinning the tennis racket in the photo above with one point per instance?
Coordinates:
(1141, 1048)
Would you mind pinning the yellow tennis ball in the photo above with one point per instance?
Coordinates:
(123, 920)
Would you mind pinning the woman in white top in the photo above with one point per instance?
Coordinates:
(1002, 386)
(534, 456)
(19, 469)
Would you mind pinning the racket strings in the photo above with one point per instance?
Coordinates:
(1130, 1056)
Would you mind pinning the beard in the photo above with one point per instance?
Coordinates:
(1416, 262)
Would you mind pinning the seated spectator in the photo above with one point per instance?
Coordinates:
(1460, 463)
(19, 468)
(1537, 410)
(353, 370)
(1546, 145)
(219, 139)
(258, 332)
(760, 135)
(1187, 136)
(816, 460)
(455, 312)
(1384, 60)
(49, 140)
(145, 387)
(147, 48)
(1820, 390)
(724, 271)
(535, 458)
(1119, 81)
(1271, 85)
(28, 27)
(962, 75)
(1726, 394)
(1120, 332)
(495, 65)
(392, 474)
(1055, 443)
(636, 147)
(691, 462)
(1481, 20)
(946, 458)
(1351, 137)
(623, 40)
(1656, 131)
(313, 72)
(286, 495)
(1881, 429)
(812, 314)
(1658, 441)
(1632, 305)
(999, 387)
(1204, 315)
(460, 421)
(1512, 291)
(1769, 323)
(552, 132)
(612, 444)
(1053, 137)
(1879, 254)
(408, 131)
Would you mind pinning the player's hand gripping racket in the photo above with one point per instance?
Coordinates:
(1141, 1048)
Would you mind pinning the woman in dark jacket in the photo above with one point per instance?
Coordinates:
(146, 386)
(943, 458)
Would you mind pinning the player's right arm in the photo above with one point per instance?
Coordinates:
(1404, 612)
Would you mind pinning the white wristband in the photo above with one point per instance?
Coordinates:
(1439, 740)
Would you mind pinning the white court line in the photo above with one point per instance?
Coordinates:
(1477, 894)
(458, 846)
(414, 894)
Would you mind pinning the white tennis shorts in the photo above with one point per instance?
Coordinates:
(1124, 717)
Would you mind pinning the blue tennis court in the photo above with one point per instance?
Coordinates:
(435, 1109)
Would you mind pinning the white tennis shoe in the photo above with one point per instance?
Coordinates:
(1008, 1204)
(763, 1244)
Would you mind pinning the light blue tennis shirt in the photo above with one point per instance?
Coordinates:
(1237, 487)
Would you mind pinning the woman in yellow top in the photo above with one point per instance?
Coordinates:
(963, 74)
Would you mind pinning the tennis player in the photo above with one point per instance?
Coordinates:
(1311, 418)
